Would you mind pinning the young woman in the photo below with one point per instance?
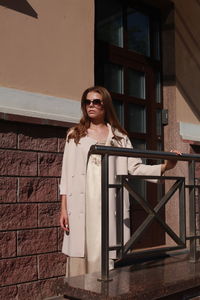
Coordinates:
(80, 186)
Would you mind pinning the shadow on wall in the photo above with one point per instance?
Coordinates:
(21, 6)
(188, 68)
(190, 101)
(198, 2)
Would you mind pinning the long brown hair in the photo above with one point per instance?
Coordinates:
(80, 130)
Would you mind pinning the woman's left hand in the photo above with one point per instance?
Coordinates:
(170, 163)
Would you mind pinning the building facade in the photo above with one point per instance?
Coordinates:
(146, 52)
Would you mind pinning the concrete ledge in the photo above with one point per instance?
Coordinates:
(189, 131)
(23, 103)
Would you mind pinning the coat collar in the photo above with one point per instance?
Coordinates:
(111, 141)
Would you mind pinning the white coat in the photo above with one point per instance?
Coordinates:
(73, 182)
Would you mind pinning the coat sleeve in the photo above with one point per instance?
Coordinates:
(136, 167)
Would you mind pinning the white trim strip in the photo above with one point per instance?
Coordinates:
(190, 131)
(36, 105)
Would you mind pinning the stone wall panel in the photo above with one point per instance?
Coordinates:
(50, 164)
(48, 214)
(61, 144)
(37, 241)
(39, 290)
(8, 135)
(8, 189)
(8, 244)
(38, 138)
(60, 238)
(18, 216)
(51, 265)
(18, 163)
(9, 293)
(17, 270)
(38, 189)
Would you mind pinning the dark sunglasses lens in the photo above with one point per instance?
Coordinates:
(87, 102)
(97, 102)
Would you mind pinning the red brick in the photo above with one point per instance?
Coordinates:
(51, 265)
(40, 290)
(50, 164)
(60, 238)
(8, 189)
(38, 189)
(48, 214)
(16, 270)
(18, 216)
(41, 138)
(62, 134)
(61, 144)
(8, 135)
(8, 244)
(9, 293)
(36, 241)
(18, 163)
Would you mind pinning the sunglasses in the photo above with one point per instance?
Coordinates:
(95, 102)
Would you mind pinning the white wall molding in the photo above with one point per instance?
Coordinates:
(37, 105)
(189, 131)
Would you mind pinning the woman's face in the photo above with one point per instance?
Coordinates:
(94, 107)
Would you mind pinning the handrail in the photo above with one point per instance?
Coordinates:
(105, 152)
(129, 152)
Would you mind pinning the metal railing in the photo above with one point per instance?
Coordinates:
(153, 213)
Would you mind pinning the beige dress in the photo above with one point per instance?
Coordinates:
(92, 260)
(93, 213)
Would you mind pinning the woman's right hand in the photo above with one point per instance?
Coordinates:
(64, 221)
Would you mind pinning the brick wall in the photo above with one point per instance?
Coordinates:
(31, 264)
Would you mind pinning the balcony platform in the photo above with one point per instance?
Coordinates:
(169, 278)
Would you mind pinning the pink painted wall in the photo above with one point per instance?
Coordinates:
(52, 54)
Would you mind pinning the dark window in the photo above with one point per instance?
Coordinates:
(128, 63)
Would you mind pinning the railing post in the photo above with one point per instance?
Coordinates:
(182, 212)
(120, 217)
(104, 219)
(192, 210)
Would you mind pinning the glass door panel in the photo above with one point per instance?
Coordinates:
(137, 118)
(113, 78)
(136, 84)
(109, 22)
(119, 109)
(139, 144)
(156, 39)
(138, 32)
